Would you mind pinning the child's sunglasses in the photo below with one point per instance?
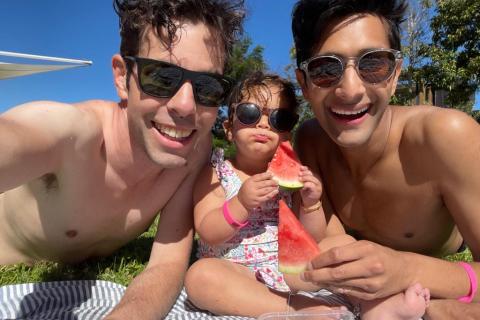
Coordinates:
(373, 67)
(280, 119)
(162, 79)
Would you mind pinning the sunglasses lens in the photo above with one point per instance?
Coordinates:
(283, 119)
(325, 71)
(158, 79)
(377, 66)
(248, 113)
(209, 90)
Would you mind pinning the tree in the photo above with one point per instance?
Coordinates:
(414, 35)
(245, 60)
(454, 52)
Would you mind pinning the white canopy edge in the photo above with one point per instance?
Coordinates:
(11, 70)
(44, 58)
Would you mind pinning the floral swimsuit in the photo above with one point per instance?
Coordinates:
(255, 245)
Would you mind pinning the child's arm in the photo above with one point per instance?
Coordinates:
(308, 204)
(209, 200)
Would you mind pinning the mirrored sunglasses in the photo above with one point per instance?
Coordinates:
(373, 67)
(280, 119)
(162, 79)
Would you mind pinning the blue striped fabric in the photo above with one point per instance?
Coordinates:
(94, 299)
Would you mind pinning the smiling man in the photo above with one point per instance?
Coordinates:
(81, 180)
(403, 180)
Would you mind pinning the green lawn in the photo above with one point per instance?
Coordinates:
(121, 267)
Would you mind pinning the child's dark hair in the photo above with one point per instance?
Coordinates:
(251, 87)
(310, 19)
(225, 17)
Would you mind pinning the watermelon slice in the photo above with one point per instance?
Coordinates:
(285, 167)
(296, 247)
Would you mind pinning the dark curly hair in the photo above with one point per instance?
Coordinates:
(251, 85)
(311, 17)
(225, 17)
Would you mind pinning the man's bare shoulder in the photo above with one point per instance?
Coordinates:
(434, 125)
(442, 134)
(59, 120)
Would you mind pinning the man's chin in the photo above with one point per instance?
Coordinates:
(169, 161)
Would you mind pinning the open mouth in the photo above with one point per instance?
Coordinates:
(349, 115)
(172, 133)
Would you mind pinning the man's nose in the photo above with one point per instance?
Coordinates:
(351, 87)
(182, 103)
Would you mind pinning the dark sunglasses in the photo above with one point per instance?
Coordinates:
(373, 67)
(162, 79)
(280, 119)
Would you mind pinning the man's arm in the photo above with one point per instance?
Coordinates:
(153, 292)
(36, 136)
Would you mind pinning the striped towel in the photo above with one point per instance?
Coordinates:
(94, 299)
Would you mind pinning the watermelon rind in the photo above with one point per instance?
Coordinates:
(289, 186)
(293, 269)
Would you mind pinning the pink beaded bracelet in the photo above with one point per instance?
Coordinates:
(231, 221)
(472, 276)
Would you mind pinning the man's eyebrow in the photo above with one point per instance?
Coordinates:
(361, 52)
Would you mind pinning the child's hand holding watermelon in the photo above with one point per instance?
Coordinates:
(311, 192)
(257, 189)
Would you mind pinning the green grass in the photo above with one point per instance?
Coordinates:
(121, 267)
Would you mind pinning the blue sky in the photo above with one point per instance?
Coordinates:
(88, 29)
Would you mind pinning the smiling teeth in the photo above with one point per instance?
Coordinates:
(173, 132)
(349, 113)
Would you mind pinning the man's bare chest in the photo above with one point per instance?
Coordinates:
(391, 207)
(72, 217)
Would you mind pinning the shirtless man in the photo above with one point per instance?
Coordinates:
(81, 180)
(406, 180)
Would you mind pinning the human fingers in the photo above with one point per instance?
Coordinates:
(354, 292)
(265, 184)
(267, 175)
(354, 273)
(348, 252)
(269, 195)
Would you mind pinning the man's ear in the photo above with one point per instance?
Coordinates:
(119, 69)
(396, 76)
(227, 127)
(301, 79)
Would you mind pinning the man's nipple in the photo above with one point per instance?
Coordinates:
(71, 233)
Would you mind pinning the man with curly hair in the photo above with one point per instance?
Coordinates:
(81, 180)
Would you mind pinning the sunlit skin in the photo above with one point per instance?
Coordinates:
(111, 156)
(237, 291)
(406, 178)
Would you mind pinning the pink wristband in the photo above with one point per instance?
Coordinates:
(231, 221)
(472, 276)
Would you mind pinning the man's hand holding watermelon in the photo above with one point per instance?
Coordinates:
(361, 269)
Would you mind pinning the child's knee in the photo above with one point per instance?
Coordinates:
(198, 276)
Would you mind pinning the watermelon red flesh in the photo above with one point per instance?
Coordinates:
(286, 167)
(296, 247)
